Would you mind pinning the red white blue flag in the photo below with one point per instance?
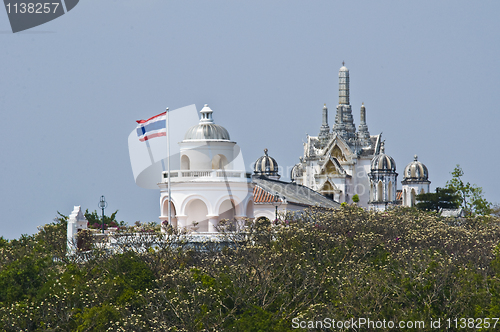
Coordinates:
(155, 126)
(148, 156)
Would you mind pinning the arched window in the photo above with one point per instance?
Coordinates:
(185, 164)
(404, 198)
(173, 212)
(196, 212)
(412, 199)
(380, 191)
(227, 210)
(165, 209)
(219, 162)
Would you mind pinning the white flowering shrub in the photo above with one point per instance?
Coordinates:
(402, 264)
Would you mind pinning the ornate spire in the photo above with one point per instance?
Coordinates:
(343, 85)
(363, 114)
(363, 134)
(325, 116)
(340, 127)
(344, 107)
(325, 129)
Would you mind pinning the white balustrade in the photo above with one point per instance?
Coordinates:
(184, 174)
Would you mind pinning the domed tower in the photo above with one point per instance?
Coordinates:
(211, 184)
(207, 145)
(266, 166)
(383, 179)
(415, 181)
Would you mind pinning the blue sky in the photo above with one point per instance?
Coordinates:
(71, 90)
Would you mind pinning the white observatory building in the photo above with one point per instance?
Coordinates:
(212, 183)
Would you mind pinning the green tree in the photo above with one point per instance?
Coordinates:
(400, 264)
(443, 198)
(471, 196)
(95, 220)
(355, 198)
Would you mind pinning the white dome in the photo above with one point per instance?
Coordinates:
(207, 129)
(415, 172)
(383, 163)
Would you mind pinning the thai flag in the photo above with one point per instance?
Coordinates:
(155, 126)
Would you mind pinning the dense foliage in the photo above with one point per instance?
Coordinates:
(403, 264)
(443, 198)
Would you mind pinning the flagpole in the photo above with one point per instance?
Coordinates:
(168, 168)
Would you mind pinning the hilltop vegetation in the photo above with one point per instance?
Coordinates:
(403, 264)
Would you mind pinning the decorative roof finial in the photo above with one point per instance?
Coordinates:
(382, 147)
(265, 151)
(343, 63)
(415, 157)
(206, 115)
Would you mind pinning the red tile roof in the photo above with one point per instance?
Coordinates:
(262, 196)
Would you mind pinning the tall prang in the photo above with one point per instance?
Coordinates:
(337, 163)
(343, 118)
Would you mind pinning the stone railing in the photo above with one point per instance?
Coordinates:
(195, 174)
(180, 175)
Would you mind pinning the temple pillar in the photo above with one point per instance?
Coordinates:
(213, 221)
(181, 221)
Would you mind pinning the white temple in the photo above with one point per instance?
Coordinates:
(342, 162)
